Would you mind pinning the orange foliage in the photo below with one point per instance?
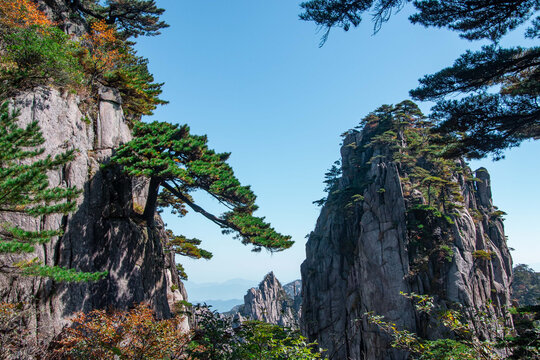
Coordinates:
(21, 13)
(106, 50)
(135, 334)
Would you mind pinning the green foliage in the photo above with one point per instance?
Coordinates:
(215, 338)
(60, 274)
(499, 108)
(484, 20)
(182, 163)
(483, 254)
(485, 122)
(497, 214)
(447, 251)
(403, 135)
(344, 13)
(447, 349)
(267, 341)
(526, 285)
(37, 55)
(180, 245)
(525, 343)
(429, 240)
(331, 179)
(140, 94)
(181, 272)
(431, 211)
(461, 345)
(132, 17)
(25, 190)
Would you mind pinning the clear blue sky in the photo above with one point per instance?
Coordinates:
(251, 76)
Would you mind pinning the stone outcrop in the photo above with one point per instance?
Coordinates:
(364, 251)
(272, 303)
(104, 233)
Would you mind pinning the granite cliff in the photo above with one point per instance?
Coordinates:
(272, 303)
(104, 233)
(399, 218)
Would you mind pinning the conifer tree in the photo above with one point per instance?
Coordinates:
(132, 17)
(501, 85)
(25, 190)
(181, 163)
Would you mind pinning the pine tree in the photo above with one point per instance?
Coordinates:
(25, 190)
(132, 17)
(501, 86)
(181, 163)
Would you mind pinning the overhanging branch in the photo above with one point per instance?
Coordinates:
(222, 223)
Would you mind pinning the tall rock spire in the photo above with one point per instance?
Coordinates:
(400, 219)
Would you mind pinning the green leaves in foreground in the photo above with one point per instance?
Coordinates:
(57, 273)
(182, 163)
(215, 338)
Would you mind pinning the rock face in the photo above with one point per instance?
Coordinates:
(103, 234)
(271, 303)
(367, 247)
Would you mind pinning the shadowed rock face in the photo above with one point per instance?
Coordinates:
(103, 234)
(361, 255)
(271, 303)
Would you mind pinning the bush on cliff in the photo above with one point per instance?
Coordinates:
(35, 52)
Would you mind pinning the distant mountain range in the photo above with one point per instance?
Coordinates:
(226, 295)
(222, 296)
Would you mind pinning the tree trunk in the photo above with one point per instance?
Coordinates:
(150, 208)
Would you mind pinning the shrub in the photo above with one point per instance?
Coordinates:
(483, 254)
(36, 56)
(134, 334)
(21, 13)
(447, 252)
(113, 62)
(215, 338)
(35, 52)
(261, 340)
(462, 344)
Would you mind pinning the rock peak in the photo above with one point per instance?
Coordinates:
(272, 303)
(269, 278)
(386, 228)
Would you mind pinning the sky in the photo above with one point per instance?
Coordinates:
(252, 76)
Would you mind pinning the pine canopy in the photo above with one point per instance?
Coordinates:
(181, 163)
(132, 17)
(500, 86)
